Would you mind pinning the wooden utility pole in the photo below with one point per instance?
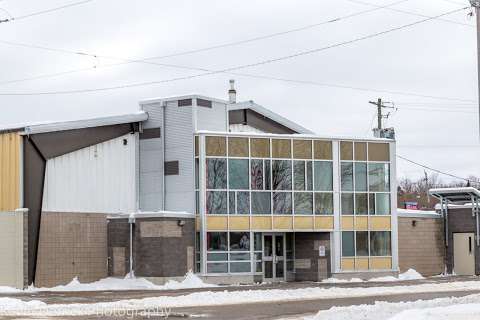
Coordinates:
(476, 5)
(380, 106)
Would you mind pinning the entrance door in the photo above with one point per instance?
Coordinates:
(464, 253)
(273, 257)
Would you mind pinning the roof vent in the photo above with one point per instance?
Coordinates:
(232, 93)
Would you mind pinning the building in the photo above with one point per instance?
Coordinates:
(460, 208)
(233, 190)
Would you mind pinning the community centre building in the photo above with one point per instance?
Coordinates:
(229, 189)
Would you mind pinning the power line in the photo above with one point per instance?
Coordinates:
(231, 69)
(436, 170)
(440, 110)
(411, 13)
(33, 14)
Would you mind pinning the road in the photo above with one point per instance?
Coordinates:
(271, 310)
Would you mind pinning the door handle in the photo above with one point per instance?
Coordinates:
(470, 245)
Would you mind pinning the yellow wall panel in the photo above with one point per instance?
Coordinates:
(348, 264)
(380, 263)
(261, 223)
(361, 264)
(282, 223)
(9, 171)
(239, 223)
(324, 223)
(361, 223)
(347, 223)
(303, 223)
(198, 224)
(380, 223)
(217, 223)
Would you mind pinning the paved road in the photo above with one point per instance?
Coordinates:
(275, 310)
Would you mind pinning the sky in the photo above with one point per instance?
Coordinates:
(434, 58)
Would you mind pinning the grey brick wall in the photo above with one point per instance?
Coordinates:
(461, 220)
(421, 247)
(161, 248)
(309, 266)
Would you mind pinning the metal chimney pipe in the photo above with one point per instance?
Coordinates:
(232, 93)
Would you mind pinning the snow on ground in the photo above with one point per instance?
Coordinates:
(410, 274)
(190, 281)
(14, 307)
(464, 308)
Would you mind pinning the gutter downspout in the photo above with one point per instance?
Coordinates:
(162, 132)
(475, 205)
(131, 222)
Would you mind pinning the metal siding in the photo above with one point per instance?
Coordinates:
(99, 178)
(151, 162)
(180, 195)
(9, 171)
(214, 119)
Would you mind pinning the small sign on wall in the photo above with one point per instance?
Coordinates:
(321, 251)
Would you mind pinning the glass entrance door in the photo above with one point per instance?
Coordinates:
(273, 257)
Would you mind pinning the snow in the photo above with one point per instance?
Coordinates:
(210, 298)
(410, 274)
(117, 284)
(401, 211)
(464, 308)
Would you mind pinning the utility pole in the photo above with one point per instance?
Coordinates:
(476, 5)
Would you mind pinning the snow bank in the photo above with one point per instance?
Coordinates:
(190, 281)
(209, 298)
(410, 274)
(463, 308)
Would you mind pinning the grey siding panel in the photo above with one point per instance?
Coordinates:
(180, 194)
(151, 163)
(214, 119)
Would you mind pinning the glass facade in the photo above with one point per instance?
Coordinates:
(289, 178)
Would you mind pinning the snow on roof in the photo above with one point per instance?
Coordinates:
(271, 115)
(153, 214)
(462, 194)
(417, 213)
(50, 126)
(181, 97)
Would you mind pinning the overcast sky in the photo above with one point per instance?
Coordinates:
(435, 58)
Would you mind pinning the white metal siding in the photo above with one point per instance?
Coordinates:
(151, 162)
(243, 128)
(99, 178)
(214, 118)
(180, 195)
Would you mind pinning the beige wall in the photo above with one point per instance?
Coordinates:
(10, 171)
(71, 245)
(421, 247)
(13, 249)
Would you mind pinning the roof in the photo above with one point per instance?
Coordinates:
(41, 127)
(456, 195)
(181, 97)
(409, 213)
(271, 115)
(153, 214)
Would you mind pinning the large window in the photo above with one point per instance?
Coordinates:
(229, 252)
(323, 176)
(216, 173)
(380, 244)
(261, 203)
(379, 176)
(216, 202)
(238, 174)
(366, 243)
(282, 174)
(282, 203)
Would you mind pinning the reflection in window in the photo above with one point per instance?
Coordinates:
(380, 243)
(282, 203)
(216, 173)
(346, 176)
(243, 202)
(256, 171)
(347, 203)
(261, 203)
(216, 202)
(323, 203)
(360, 176)
(217, 241)
(231, 203)
(238, 173)
(362, 243)
(383, 204)
(303, 202)
(379, 176)
(239, 241)
(348, 248)
(282, 174)
(361, 204)
(323, 172)
(302, 173)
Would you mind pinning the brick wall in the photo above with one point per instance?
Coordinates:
(161, 248)
(71, 245)
(309, 266)
(421, 247)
